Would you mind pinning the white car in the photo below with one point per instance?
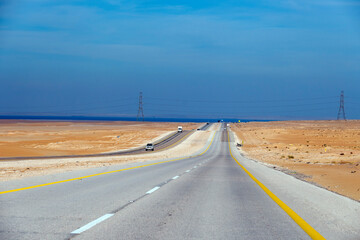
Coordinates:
(149, 146)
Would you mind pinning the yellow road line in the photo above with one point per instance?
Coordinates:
(301, 222)
(175, 142)
(208, 146)
(98, 174)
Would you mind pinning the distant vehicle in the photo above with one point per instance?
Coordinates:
(149, 146)
(180, 129)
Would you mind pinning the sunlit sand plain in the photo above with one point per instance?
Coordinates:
(44, 138)
(39, 138)
(326, 153)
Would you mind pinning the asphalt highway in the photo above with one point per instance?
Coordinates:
(204, 197)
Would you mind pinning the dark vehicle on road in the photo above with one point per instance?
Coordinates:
(149, 146)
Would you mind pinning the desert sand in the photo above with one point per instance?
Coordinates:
(27, 168)
(44, 138)
(326, 153)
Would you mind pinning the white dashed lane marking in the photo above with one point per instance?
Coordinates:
(152, 190)
(106, 216)
(91, 224)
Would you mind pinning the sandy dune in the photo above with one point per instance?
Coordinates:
(324, 152)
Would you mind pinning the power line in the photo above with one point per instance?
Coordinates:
(267, 111)
(252, 107)
(72, 108)
(199, 107)
(239, 101)
(87, 103)
(79, 110)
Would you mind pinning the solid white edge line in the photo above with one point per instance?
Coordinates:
(152, 190)
(175, 177)
(93, 223)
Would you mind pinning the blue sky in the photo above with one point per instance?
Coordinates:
(243, 59)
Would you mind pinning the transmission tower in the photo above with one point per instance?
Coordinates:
(141, 110)
(341, 113)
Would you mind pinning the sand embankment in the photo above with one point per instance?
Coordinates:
(26, 168)
(326, 153)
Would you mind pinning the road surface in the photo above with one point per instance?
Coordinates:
(208, 196)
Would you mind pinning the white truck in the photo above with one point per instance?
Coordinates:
(180, 129)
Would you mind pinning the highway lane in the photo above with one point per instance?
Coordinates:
(204, 197)
(52, 212)
(205, 127)
(215, 200)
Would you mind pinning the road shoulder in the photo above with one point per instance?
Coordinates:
(332, 215)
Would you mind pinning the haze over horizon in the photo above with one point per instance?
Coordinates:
(228, 59)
